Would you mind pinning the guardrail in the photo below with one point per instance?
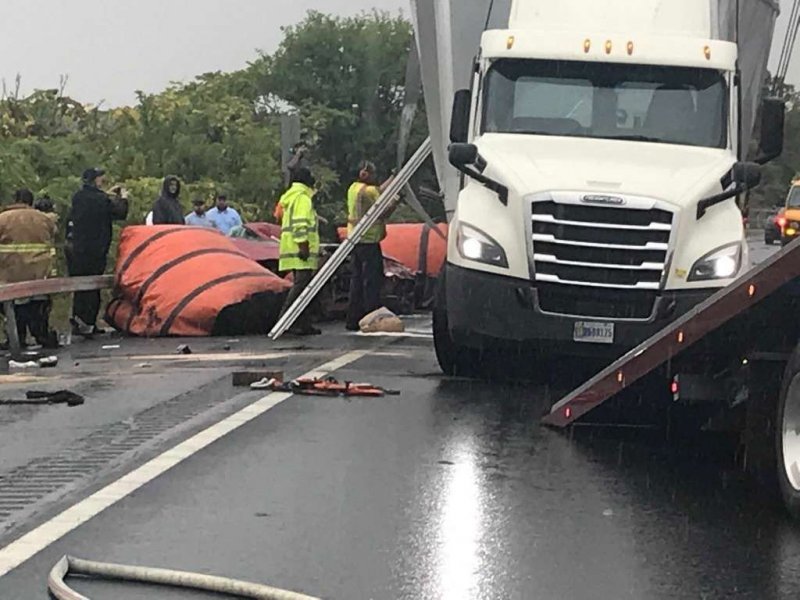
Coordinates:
(23, 290)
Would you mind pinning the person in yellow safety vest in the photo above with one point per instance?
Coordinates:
(299, 250)
(367, 277)
(27, 249)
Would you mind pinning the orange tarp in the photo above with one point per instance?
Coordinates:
(414, 245)
(175, 281)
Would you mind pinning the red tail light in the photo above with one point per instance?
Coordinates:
(781, 221)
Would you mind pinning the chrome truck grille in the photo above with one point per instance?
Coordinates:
(600, 261)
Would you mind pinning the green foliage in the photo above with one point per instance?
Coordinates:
(346, 77)
(220, 132)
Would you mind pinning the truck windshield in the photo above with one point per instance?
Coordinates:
(670, 105)
(794, 198)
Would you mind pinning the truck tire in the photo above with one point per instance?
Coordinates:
(787, 439)
(454, 359)
(772, 449)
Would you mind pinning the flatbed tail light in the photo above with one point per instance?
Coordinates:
(707, 52)
(609, 46)
(510, 42)
(587, 45)
(630, 48)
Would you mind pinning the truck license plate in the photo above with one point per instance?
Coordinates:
(594, 333)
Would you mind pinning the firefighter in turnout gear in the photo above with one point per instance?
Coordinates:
(299, 251)
(27, 249)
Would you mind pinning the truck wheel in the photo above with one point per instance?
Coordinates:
(454, 359)
(788, 436)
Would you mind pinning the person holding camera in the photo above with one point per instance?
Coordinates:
(89, 240)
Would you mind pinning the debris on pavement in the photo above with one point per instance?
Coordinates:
(15, 364)
(37, 398)
(184, 349)
(36, 362)
(328, 387)
(248, 378)
(381, 321)
(48, 362)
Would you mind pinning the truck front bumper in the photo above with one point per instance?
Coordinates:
(485, 309)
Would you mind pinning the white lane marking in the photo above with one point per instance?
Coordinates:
(20, 550)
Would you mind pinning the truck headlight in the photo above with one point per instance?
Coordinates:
(722, 263)
(475, 245)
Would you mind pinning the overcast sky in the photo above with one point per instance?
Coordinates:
(109, 48)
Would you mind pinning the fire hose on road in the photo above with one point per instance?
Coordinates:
(69, 565)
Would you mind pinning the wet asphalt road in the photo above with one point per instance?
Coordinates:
(451, 490)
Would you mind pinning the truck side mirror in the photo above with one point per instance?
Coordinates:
(747, 174)
(773, 117)
(467, 159)
(459, 124)
(462, 155)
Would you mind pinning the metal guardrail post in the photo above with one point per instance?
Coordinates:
(14, 343)
(337, 258)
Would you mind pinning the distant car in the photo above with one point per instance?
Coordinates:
(773, 227)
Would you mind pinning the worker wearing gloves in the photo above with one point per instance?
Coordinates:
(89, 240)
(367, 278)
(27, 248)
(299, 251)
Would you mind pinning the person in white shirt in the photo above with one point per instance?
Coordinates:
(223, 216)
(199, 217)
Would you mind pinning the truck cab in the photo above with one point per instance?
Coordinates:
(601, 155)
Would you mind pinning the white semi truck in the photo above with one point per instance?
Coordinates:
(591, 154)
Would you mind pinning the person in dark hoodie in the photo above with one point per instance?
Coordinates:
(89, 228)
(167, 209)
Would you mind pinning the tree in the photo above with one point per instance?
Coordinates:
(346, 76)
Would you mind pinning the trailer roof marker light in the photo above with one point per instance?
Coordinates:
(568, 412)
(681, 337)
(751, 291)
(620, 377)
(609, 46)
(707, 52)
(510, 42)
(630, 48)
(587, 45)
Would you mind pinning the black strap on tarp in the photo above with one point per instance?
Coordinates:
(204, 288)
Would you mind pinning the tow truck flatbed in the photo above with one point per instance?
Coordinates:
(757, 311)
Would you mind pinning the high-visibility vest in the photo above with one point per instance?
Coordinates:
(299, 225)
(377, 232)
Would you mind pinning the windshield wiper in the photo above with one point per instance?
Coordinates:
(632, 138)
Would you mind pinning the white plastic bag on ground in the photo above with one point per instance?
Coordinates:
(381, 321)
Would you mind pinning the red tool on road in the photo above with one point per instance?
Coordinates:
(328, 387)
